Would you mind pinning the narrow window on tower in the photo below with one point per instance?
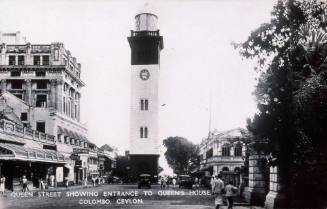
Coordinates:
(145, 132)
(144, 104)
(141, 132)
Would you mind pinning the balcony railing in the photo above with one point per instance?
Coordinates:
(24, 133)
(144, 33)
(219, 159)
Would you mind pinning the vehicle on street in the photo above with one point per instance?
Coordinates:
(185, 181)
(144, 181)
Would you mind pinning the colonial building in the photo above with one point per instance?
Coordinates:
(40, 94)
(146, 44)
(223, 151)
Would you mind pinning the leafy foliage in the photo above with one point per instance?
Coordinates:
(181, 154)
(291, 125)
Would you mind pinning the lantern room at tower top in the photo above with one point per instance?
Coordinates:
(145, 41)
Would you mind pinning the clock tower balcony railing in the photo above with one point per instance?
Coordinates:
(144, 33)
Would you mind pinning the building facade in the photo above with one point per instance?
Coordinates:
(223, 151)
(146, 44)
(41, 91)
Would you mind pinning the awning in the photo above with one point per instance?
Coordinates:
(23, 153)
(71, 134)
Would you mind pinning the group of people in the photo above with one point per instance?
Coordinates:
(165, 182)
(219, 189)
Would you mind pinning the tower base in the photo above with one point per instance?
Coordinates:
(143, 164)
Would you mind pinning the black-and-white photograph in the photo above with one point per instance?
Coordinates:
(165, 104)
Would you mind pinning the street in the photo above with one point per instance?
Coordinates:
(112, 196)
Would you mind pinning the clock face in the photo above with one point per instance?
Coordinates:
(144, 74)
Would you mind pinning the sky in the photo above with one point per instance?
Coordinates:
(200, 72)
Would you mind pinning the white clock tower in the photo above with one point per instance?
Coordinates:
(146, 44)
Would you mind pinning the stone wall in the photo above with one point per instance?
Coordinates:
(275, 197)
(257, 189)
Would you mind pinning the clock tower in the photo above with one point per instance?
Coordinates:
(146, 44)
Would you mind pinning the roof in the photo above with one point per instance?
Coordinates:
(17, 152)
(106, 147)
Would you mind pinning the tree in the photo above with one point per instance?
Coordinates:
(291, 93)
(182, 155)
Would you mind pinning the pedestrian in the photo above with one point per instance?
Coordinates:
(24, 182)
(217, 188)
(230, 190)
(196, 182)
(66, 182)
(162, 183)
(2, 185)
(93, 181)
(174, 183)
(42, 185)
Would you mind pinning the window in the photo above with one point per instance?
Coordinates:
(23, 116)
(64, 104)
(45, 60)
(40, 126)
(59, 138)
(65, 87)
(42, 84)
(41, 100)
(144, 132)
(209, 153)
(238, 150)
(68, 108)
(144, 104)
(12, 60)
(36, 60)
(40, 73)
(17, 84)
(21, 60)
(66, 140)
(20, 96)
(75, 114)
(226, 150)
(56, 54)
(15, 73)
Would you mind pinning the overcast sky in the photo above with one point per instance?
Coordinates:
(197, 59)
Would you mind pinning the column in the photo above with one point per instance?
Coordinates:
(3, 85)
(275, 198)
(258, 180)
(59, 95)
(28, 84)
(3, 54)
(53, 93)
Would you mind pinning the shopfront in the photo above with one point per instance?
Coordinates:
(17, 161)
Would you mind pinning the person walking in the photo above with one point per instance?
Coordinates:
(66, 182)
(42, 185)
(2, 185)
(174, 183)
(230, 190)
(24, 182)
(217, 187)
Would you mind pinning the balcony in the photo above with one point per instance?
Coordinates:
(144, 33)
(223, 159)
(21, 133)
